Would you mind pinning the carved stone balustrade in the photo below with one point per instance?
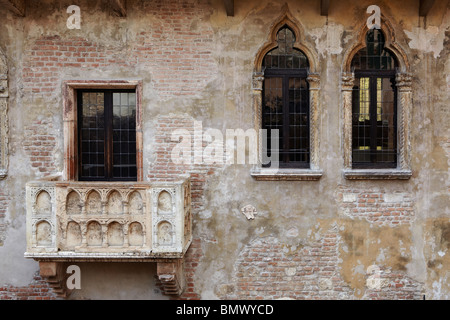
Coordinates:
(71, 221)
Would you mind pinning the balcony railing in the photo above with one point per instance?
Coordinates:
(117, 221)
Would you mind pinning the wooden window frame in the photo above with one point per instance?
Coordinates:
(70, 119)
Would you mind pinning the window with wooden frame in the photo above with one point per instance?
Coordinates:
(103, 131)
(286, 102)
(107, 135)
(374, 105)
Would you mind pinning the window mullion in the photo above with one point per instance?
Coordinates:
(108, 136)
(373, 118)
(286, 118)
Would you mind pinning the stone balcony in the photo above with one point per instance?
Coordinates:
(71, 221)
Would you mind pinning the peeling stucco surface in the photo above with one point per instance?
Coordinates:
(430, 38)
(293, 218)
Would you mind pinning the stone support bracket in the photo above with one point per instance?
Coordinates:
(171, 275)
(55, 275)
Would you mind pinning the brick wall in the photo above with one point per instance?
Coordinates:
(40, 146)
(48, 56)
(37, 290)
(176, 49)
(192, 259)
(378, 207)
(394, 286)
(268, 269)
(163, 168)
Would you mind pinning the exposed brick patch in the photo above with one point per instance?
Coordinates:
(378, 207)
(37, 290)
(191, 261)
(4, 202)
(389, 285)
(177, 52)
(266, 269)
(165, 169)
(40, 144)
(48, 56)
(178, 47)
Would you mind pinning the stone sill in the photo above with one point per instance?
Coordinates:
(377, 174)
(95, 257)
(118, 256)
(3, 174)
(262, 174)
(103, 257)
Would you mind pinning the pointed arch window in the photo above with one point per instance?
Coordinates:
(377, 102)
(286, 90)
(374, 105)
(285, 105)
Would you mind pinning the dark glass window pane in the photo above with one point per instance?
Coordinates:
(125, 148)
(286, 101)
(298, 147)
(374, 56)
(273, 107)
(374, 124)
(285, 56)
(107, 115)
(92, 113)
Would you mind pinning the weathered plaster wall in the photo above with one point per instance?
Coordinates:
(309, 239)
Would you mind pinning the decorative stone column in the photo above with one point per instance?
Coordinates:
(404, 103)
(314, 115)
(347, 82)
(4, 94)
(257, 87)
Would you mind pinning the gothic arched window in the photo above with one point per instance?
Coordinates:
(285, 104)
(374, 105)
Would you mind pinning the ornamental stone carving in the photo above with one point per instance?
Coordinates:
(249, 212)
(4, 94)
(118, 221)
(91, 219)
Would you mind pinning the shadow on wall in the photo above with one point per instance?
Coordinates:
(118, 281)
